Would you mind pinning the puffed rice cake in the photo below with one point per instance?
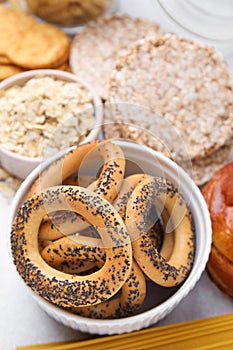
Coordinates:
(185, 83)
(202, 170)
(95, 49)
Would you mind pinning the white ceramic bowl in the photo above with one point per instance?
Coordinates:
(21, 166)
(154, 163)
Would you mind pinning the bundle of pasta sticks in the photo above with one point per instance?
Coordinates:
(209, 333)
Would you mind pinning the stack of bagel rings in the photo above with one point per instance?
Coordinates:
(89, 245)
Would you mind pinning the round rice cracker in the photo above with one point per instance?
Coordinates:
(95, 49)
(202, 170)
(183, 81)
(43, 46)
(139, 124)
(8, 70)
(12, 21)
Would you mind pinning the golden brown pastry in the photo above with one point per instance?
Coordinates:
(218, 193)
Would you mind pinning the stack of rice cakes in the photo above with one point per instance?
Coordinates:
(174, 95)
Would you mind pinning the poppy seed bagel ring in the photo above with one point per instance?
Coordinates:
(131, 298)
(112, 172)
(152, 227)
(160, 192)
(56, 173)
(60, 288)
(73, 249)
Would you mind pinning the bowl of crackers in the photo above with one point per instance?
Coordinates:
(42, 112)
(70, 14)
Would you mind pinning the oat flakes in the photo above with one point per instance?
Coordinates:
(45, 115)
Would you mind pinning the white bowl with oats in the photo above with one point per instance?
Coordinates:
(42, 112)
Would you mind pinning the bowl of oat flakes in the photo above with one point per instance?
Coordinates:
(43, 112)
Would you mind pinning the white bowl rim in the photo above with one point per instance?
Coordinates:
(195, 274)
(98, 104)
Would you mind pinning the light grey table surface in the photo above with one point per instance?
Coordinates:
(22, 322)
